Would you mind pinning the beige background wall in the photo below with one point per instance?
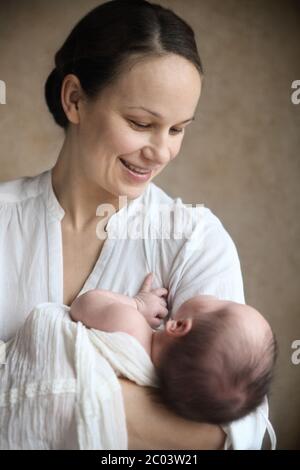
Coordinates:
(240, 158)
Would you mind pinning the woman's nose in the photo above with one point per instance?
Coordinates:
(158, 151)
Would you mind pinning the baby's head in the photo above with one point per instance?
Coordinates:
(218, 360)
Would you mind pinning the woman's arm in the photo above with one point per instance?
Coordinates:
(152, 426)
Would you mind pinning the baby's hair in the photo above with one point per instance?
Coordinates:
(214, 374)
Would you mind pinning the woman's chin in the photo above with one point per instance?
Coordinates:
(131, 192)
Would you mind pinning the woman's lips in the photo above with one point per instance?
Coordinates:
(137, 178)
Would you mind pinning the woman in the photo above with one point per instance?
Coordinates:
(126, 83)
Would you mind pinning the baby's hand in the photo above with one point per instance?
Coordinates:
(150, 302)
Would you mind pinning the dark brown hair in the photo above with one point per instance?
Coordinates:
(213, 374)
(109, 39)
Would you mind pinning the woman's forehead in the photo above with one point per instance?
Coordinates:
(155, 84)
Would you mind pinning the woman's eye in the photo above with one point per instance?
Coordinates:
(146, 126)
(177, 131)
(140, 125)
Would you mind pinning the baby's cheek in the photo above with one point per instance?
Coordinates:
(80, 307)
(75, 311)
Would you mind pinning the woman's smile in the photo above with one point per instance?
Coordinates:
(135, 174)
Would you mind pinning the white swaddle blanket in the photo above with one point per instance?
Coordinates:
(59, 386)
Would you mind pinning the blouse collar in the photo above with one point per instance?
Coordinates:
(52, 203)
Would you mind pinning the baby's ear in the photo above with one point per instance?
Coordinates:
(178, 328)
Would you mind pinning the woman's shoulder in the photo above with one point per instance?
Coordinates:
(191, 226)
(21, 189)
(157, 200)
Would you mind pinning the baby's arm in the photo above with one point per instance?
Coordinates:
(100, 312)
(95, 308)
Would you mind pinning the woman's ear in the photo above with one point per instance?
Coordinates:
(71, 94)
(177, 328)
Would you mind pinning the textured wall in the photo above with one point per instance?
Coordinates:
(240, 158)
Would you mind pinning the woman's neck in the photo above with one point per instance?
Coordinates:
(78, 196)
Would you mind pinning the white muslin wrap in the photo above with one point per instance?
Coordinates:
(59, 387)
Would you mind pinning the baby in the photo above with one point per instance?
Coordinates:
(214, 360)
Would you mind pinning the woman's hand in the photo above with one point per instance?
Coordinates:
(151, 302)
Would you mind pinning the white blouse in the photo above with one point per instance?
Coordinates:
(31, 258)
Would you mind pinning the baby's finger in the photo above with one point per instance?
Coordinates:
(155, 322)
(146, 286)
(162, 302)
(160, 291)
(162, 313)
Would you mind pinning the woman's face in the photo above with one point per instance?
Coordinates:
(110, 128)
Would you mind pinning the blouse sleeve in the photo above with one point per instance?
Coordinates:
(208, 263)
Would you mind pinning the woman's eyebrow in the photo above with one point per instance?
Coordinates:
(157, 114)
